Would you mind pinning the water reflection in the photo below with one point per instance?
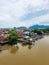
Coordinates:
(30, 47)
(24, 44)
(0, 49)
(14, 49)
(6, 47)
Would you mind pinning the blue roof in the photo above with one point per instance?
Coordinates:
(26, 32)
(25, 36)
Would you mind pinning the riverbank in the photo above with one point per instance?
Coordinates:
(13, 36)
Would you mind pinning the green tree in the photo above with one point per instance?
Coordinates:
(38, 32)
(12, 37)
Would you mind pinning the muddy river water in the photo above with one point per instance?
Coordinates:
(37, 54)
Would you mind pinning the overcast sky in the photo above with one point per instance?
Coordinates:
(23, 12)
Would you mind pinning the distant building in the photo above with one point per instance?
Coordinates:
(26, 37)
(26, 33)
(20, 32)
(3, 35)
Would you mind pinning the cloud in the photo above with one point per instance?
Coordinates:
(45, 22)
(32, 15)
(38, 20)
(23, 12)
